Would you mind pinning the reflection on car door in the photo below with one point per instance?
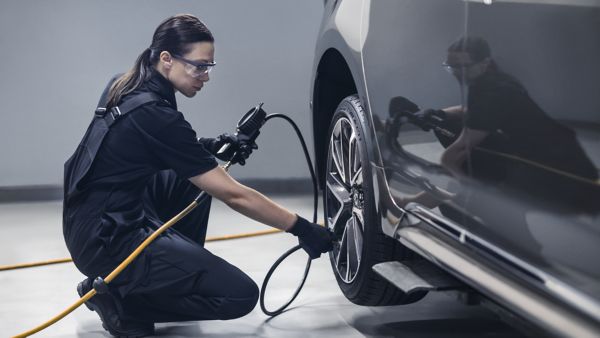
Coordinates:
(404, 49)
(510, 149)
(538, 106)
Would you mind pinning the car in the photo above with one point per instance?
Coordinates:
(457, 147)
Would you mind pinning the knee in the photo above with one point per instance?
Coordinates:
(241, 302)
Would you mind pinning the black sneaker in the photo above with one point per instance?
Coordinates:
(107, 308)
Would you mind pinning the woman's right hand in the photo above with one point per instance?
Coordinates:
(313, 238)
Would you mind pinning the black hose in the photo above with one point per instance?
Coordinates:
(308, 160)
(297, 247)
(263, 288)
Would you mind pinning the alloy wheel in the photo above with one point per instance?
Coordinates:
(345, 199)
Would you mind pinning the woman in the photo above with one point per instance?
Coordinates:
(147, 167)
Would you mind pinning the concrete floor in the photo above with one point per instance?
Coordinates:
(32, 232)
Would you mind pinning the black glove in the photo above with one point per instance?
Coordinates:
(242, 150)
(431, 114)
(427, 118)
(313, 238)
(400, 105)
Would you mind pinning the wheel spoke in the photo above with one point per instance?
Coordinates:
(357, 178)
(358, 213)
(351, 157)
(356, 163)
(336, 156)
(348, 260)
(335, 181)
(346, 135)
(342, 200)
(341, 254)
(358, 234)
(351, 250)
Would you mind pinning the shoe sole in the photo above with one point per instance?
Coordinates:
(94, 308)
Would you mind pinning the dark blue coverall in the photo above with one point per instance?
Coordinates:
(137, 181)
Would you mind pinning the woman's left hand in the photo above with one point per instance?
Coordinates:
(237, 151)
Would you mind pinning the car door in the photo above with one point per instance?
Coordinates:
(542, 119)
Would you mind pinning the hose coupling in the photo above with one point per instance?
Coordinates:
(100, 286)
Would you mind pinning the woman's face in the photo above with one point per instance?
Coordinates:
(181, 71)
(464, 68)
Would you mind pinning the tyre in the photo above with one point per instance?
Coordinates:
(350, 212)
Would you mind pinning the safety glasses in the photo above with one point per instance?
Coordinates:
(453, 69)
(195, 69)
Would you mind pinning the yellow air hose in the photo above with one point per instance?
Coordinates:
(69, 260)
(34, 264)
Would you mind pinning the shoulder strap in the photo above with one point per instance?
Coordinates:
(118, 112)
(104, 97)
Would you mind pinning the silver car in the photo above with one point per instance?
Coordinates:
(457, 145)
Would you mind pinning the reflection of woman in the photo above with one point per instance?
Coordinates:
(148, 167)
(519, 143)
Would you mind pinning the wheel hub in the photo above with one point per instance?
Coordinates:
(358, 197)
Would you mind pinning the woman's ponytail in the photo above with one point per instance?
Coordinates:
(131, 80)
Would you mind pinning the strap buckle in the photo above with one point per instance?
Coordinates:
(100, 112)
(115, 112)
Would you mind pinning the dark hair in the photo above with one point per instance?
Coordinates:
(174, 36)
(477, 47)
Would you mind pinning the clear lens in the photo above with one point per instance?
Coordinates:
(455, 69)
(195, 71)
(449, 69)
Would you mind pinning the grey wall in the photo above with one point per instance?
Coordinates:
(58, 55)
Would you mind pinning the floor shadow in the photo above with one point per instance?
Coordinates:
(429, 328)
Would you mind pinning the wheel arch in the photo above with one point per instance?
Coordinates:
(333, 82)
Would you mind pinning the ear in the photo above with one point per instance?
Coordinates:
(166, 59)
